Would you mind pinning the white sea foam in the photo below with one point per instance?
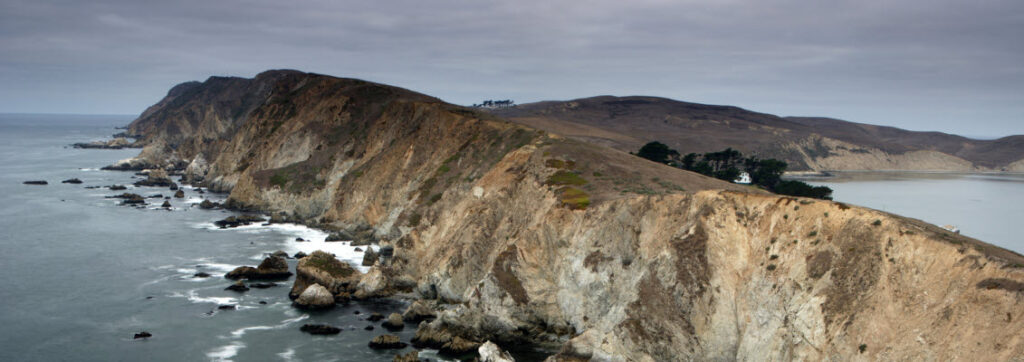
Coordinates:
(238, 333)
(225, 353)
(287, 355)
(314, 239)
(88, 169)
(193, 297)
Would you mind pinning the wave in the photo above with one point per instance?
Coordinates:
(238, 333)
(226, 352)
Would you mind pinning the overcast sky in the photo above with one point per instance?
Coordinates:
(952, 66)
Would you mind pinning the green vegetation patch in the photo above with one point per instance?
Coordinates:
(279, 179)
(574, 198)
(329, 264)
(563, 178)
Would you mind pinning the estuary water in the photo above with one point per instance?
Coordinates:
(988, 207)
(82, 274)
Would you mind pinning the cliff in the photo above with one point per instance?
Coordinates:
(806, 143)
(525, 235)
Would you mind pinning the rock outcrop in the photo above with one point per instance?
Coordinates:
(321, 268)
(528, 236)
(315, 297)
(273, 267)
(387, 341)
(490, 352)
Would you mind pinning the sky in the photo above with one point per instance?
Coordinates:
(955, 66)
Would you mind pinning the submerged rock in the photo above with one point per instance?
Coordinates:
(263, 285)
(387, 341)
(179, 194)
(71, 181)
(201, 275)
(299, 255)
(375, 317)
(226, 307)
(117, 187)
(142, 334)
(36, 182)
(315, 297)
(320, 329)
(239, 286)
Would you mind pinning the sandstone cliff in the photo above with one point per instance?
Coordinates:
(531, 236)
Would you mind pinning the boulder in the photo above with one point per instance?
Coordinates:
(300, 239)
(207, 204)
(387, 341)
(368, 328)
(273, 267)
(280, 253)
(459, 346)
(156, 178)
(490, 352)
(179, 194)
(315, 297)
(324, 269)
(201, 275)
(339, 236)
(142, 334)
(321, 329)
(419, 310)
(226, 307)
(71, 181)
(117, 187)
(263, 285)
(299, 255)
(375, 317)
(394, 322)
(174, 187)
(412, 356)
(166, 205)
(369, 257)
(236, 221)
(36, 182)
(241, 272)
(239, 286)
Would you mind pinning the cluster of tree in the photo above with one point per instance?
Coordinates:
(729, 164)
(496, 104)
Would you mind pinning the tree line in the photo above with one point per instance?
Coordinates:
(496, 104)
(729, 164)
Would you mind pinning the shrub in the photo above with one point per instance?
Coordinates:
(877, 223)
(279, 179)
(771, 267)
(566, 178)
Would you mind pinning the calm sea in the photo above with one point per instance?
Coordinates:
(988, 207)
(82, 275)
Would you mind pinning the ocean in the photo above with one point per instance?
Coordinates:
(83, 274)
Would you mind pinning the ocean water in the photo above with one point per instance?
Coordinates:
(988, 207)
(82, 274)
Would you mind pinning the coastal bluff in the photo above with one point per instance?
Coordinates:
(523, 235)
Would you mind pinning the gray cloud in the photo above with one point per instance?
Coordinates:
(955, 66)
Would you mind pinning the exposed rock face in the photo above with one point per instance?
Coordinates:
(114, 144)
(369, 257)
(413, 356)
(535, 237)
(324, 269)
(418, 311)
(315, 297)
(459, 346)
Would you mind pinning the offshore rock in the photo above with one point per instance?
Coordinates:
(394, 322)
(320, 329)
(490, 352)
(324, 269)
(315, 297)
(387, 341)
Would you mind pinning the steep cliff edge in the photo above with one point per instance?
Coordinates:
(531, 236)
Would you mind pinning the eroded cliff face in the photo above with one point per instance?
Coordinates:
(530, 236)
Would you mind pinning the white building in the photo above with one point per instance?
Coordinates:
(743, 179)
